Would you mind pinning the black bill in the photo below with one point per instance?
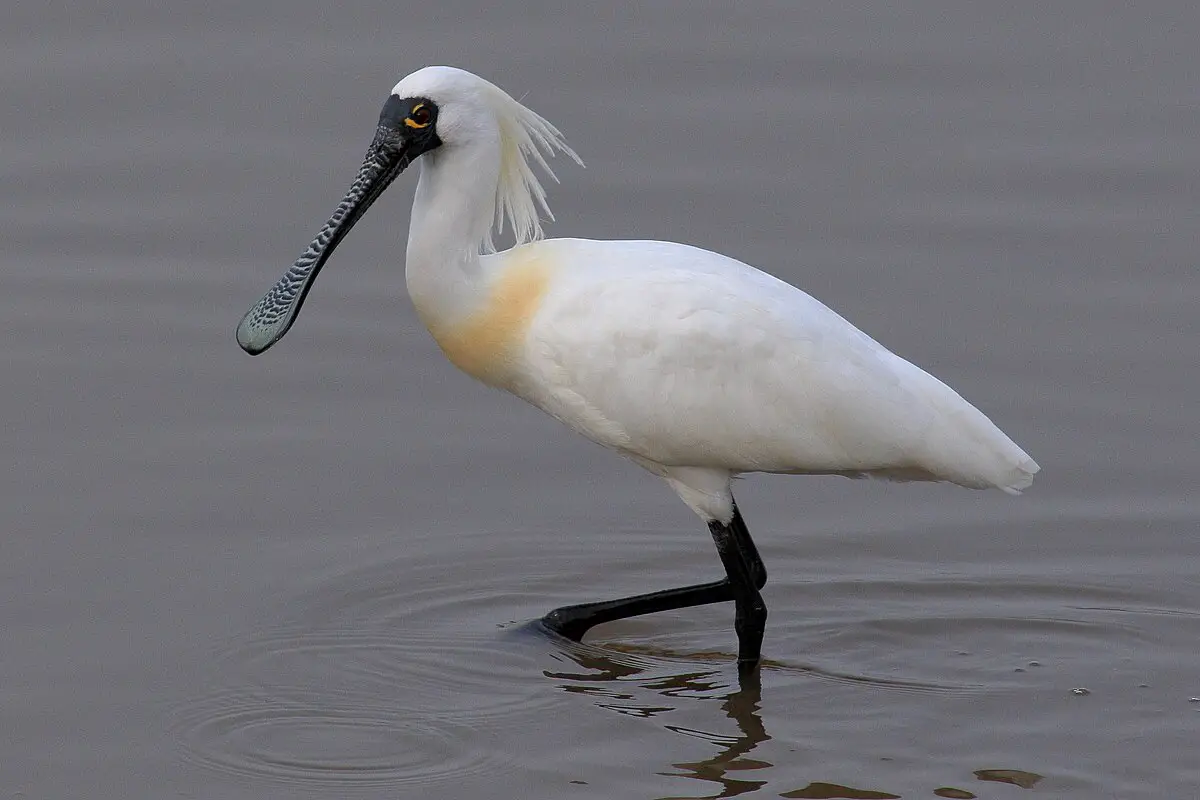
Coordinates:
(270, 318)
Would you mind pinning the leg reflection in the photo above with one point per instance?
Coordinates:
(741, 707)
(620, 684)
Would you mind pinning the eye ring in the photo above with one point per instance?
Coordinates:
(421, 115)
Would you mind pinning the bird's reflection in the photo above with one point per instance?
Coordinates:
(603, 672)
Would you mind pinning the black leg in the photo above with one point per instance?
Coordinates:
(750, 617)
(744, 576)
(574, 621)
(741, 535)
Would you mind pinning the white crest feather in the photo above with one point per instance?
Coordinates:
(524, 137)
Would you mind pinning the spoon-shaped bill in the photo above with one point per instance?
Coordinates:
(270, 318)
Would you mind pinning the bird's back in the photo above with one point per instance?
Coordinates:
(683, 357)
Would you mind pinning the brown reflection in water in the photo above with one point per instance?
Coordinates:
(741, 706)
(830, 791)
(954, 794)
(1017, 777)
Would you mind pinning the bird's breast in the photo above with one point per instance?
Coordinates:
(488, 341)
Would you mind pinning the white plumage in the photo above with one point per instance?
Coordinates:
(693, 365)
(679, 357)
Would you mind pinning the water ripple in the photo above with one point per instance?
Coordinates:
(370, 681)
(339, 742)
(367, 680)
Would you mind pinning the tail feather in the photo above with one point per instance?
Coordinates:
(1020, 477)
(965, 447)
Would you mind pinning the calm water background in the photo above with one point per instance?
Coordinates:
(307, 574)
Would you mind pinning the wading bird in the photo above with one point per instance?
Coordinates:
(691, 364)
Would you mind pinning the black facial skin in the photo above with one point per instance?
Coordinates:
(402, 114)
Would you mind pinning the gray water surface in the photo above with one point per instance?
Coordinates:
(311, 573)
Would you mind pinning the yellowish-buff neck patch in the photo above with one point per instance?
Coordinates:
(487, 343)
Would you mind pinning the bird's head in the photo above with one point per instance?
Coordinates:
(435, 108)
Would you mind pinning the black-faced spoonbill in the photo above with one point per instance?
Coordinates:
(693, 365)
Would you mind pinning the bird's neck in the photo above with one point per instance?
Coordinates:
(453, 209)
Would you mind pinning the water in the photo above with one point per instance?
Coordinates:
(311, 573)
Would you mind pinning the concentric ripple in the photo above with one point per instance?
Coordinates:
(337, 742)
(459, 681)
(369, 680)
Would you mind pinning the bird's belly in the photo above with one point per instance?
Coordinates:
(728, 431)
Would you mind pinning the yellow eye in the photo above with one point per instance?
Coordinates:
(419, 117)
